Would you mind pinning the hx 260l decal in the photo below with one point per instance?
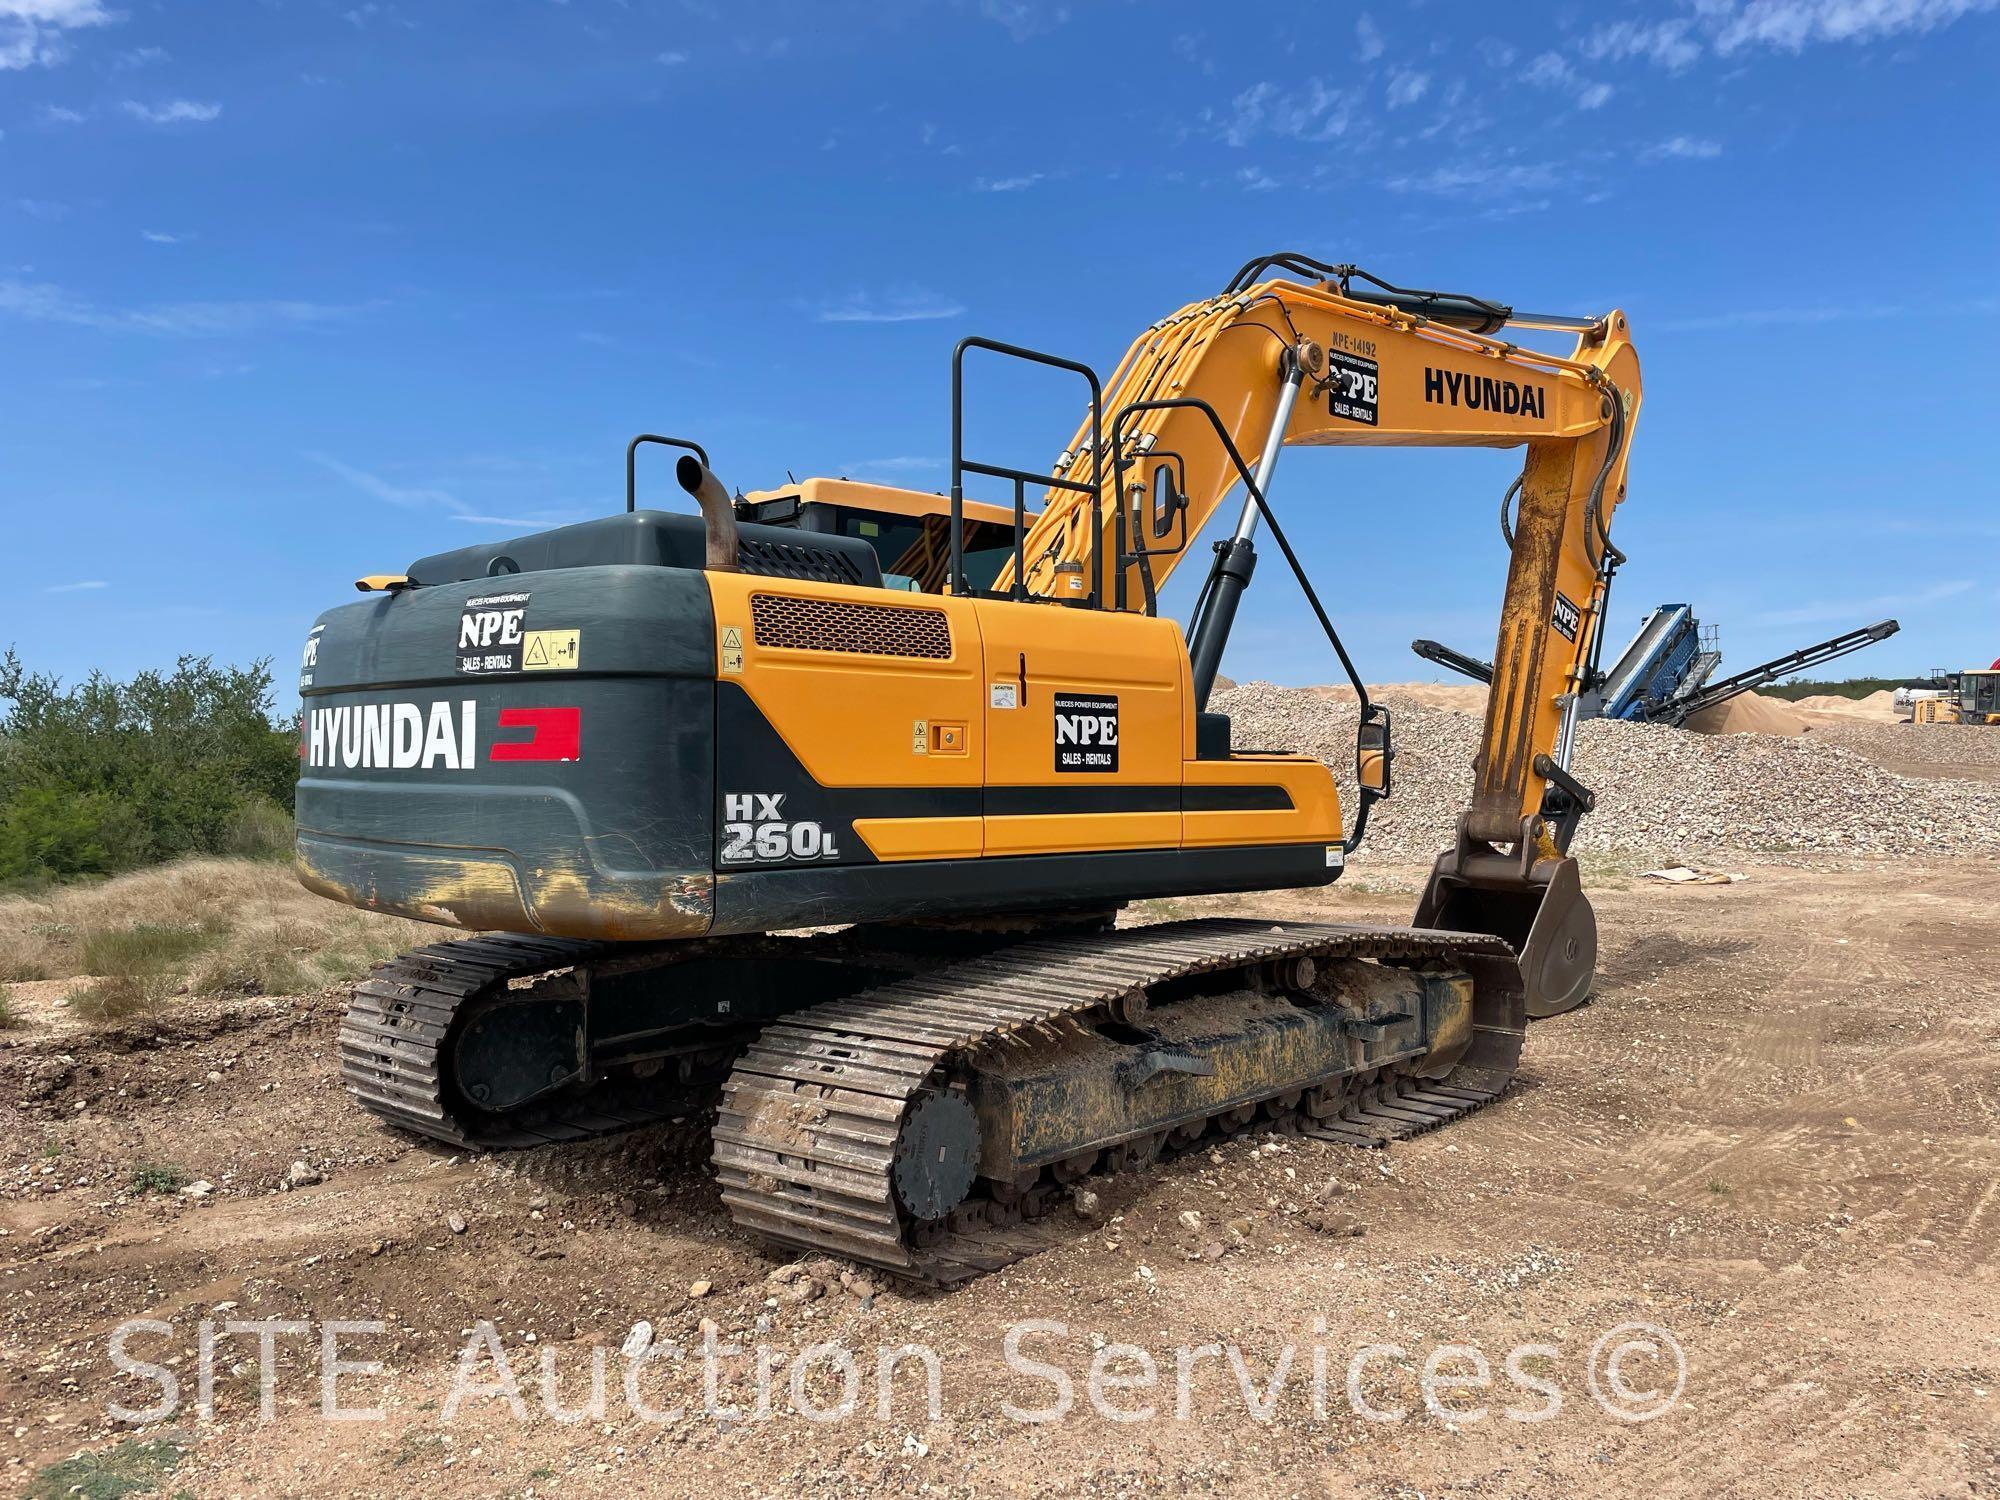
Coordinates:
(756, 831)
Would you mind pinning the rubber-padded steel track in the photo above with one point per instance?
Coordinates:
(401, 1020)
(806, 1136)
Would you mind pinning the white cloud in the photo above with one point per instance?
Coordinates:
(1312, 112)
(33, 33)
(1684, 148)
(383, 489)
(1024, 18)
(78, 587)
(1256, 179)
(1007, 184)
(1668, 43)
(1547, 70)
(1551, 70)
(1191, 47)
(1485, 179)
(1820, 611)
(670, 58)
(1368, 37)
(46, 209)
(421, 496)
(173, 112)
(1407, 86)
(1727, 27)
(160, 237)
(362, 16)
(57, 114)
(908, 305)
(42, 302)
(57, 12)
(140, 57)
(1790, 25)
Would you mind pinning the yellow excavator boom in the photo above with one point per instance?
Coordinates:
(1283, 364)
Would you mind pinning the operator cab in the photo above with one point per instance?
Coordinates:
(909, 530)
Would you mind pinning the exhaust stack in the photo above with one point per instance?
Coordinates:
(717, 513)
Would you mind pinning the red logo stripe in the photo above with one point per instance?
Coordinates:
(557, 734)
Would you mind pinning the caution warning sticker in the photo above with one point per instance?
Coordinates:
(732, 649)
(551, 650)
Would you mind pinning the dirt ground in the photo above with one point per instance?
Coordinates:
(1775, 1135)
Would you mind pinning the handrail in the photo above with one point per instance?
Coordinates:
(1368, 709)
(632, 462)
(1021, 477)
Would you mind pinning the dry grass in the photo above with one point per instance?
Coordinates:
(197, 927)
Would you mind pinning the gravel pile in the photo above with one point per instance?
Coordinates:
(1662, 793)
(1952, 747)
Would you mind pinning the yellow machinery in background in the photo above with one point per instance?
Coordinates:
(1971, 697)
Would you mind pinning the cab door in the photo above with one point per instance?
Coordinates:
(1083, 718)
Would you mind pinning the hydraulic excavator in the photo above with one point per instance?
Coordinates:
(810, 816)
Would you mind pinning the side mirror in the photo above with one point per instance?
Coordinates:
(1373, 754)
(1168, 501)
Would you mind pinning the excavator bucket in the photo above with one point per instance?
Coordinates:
(1540, 911)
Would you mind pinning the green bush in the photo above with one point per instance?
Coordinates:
(135, 1467)
(258, 830)
(49, 833)
(142, 947)
(137, 968)
(156, 1177)
(121, 997)
(104, 775)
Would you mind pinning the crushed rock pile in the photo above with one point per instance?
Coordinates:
(1878, 706)
(1661, 792)
(1748, 713)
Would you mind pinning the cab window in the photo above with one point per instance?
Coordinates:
(918, 548)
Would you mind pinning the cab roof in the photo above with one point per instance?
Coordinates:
(856, 494)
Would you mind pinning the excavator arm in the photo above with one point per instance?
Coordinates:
(1344, 360)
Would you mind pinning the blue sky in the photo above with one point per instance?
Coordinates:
(291, 291)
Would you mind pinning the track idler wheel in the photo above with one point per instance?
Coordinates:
(937, 1155)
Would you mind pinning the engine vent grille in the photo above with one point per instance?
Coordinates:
(798, 560)
(832, 625)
